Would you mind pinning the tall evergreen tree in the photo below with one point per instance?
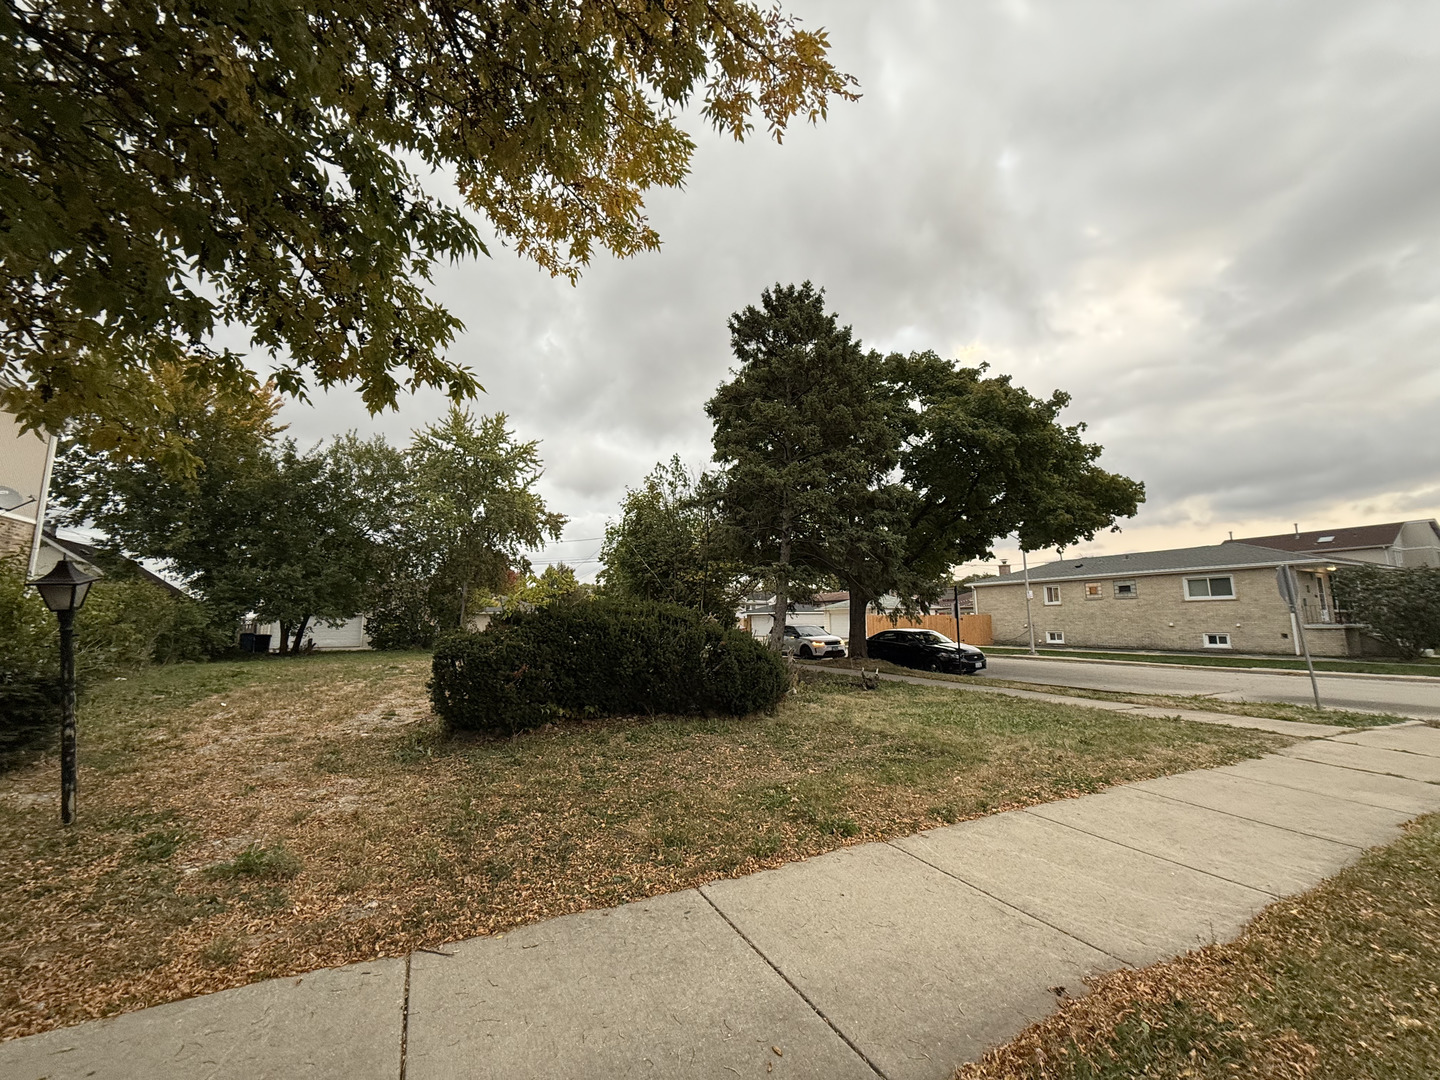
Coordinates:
(803, 438)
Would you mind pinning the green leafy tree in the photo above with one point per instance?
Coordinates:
(1401, 607)
(556, 584)
(473, 511)
(669, 547)
(171, 168)
(985, 459)
(804, 441)
(260, 528)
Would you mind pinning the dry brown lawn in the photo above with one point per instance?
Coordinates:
(1338, 983)
(246, 820)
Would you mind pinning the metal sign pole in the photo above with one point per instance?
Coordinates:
(1290, 590)
(1029, 622)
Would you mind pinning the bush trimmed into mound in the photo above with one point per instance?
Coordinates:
(601, 658)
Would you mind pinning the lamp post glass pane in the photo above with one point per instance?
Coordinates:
(64, 588)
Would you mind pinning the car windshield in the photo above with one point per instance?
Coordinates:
(809, 631)
(931, 637)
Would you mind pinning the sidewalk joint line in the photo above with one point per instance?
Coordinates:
(405, 1020)
(1162, 858)
(800, 993)
(1354, 768)
(1013, 906)
(1370, 746)
(1242, 817)
(1328, 795)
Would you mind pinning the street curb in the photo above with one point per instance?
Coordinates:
(1225, 667)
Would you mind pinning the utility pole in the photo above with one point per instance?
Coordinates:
(1029, 622)
(956, 588)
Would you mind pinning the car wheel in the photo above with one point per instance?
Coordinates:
(807, 653)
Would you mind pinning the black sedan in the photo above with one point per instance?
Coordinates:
(925, 649)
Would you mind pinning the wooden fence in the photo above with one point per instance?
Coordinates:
(974, 629)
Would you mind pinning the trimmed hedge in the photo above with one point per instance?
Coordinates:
(601, 658)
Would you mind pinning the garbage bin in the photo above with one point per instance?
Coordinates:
(255, 643)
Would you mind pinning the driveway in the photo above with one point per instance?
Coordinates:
(1404, 697)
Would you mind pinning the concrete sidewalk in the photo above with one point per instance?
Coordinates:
(896, 960)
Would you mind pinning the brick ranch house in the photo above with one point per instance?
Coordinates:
(1220, 597)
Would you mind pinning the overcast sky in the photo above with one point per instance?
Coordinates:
(1215, 224)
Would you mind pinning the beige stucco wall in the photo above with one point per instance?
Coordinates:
(1419, 544)
(1159, 617)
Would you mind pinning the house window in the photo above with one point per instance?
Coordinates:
(1217, 641)
(1054, 637)
(1126, 590)
(1094, 590)
(1210, 588)
(1052, 594)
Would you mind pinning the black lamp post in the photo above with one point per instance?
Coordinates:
(64, 590)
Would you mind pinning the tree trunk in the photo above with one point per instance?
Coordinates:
(782, 597)
(859, 607)
(284, 639)
(300, 635)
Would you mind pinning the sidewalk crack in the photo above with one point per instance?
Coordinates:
(788, 982)
(405, 1021)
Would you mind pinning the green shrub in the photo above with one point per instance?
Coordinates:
(399, 616)
(125, 623)
(1400, 607)
(29, 653)
(605, 658)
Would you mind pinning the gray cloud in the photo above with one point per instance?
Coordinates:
(1214, 223)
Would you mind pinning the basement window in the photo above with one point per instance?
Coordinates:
(1126, 590)
(1210, 588)
(1054, 637)
(1217, 641)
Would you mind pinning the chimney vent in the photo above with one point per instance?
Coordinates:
(1297, 530)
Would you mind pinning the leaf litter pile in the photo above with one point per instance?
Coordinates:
(240, 821)
(1340, 982)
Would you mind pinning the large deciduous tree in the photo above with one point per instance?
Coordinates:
(171, 168)
(261, 527)
(668, 546)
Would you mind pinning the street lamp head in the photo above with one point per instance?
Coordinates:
(65, 587)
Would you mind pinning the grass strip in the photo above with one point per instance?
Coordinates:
(1339, 982)
(307, 812)
(1427, 667)
(1270, 710)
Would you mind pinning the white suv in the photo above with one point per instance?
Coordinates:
(810, 643)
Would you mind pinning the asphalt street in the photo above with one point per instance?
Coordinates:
(1404, 697)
